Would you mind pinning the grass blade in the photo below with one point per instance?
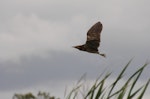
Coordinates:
(73, 91)
(138, 73)
(100, 85)
(122, 94)
(118, 78)
(146, 86)
(131, 96)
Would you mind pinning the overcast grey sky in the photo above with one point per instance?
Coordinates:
(36, 39)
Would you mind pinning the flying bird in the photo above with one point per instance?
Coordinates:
(93, 40)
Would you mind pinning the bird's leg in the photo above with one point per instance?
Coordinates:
(102, 55)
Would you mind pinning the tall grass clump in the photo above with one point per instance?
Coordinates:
(99, 90)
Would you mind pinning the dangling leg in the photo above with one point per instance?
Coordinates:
(102, 55)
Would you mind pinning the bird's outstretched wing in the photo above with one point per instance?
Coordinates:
(93, 36)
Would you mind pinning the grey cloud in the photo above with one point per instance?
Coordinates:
(60, 66)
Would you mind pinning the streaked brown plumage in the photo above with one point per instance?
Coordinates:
(93, 40)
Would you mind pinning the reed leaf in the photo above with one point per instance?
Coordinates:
(145, 87)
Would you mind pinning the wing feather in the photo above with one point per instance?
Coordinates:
(93, 35)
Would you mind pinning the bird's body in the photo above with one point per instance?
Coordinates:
(93, 40)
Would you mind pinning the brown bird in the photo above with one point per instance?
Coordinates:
(93, 40)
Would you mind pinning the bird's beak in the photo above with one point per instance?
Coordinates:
(75, 46)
